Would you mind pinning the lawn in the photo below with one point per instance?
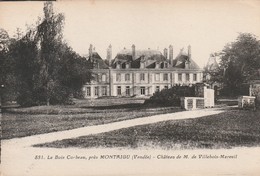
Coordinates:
(233, 128)
(21, 122)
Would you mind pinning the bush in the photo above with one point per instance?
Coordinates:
(170, 97)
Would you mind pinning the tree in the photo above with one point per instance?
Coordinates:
(49, 34)
(239, 61)
(24, 52)
(47, 70)
(7, 76)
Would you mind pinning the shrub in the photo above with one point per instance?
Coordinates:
(170, 97)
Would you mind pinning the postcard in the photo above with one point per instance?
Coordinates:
(126, 88)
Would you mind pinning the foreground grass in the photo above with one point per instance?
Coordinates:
(21, 122)
(233, 128)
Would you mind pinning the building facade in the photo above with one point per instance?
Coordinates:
(139, 73)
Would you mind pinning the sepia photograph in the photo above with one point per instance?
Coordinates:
(120, 88)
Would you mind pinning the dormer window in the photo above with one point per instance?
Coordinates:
(165, 65)
(103, 78)
(118, 65)
(127, 65)
(157, 65)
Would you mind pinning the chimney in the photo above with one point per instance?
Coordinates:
(90, 51)
(187, 62)
(189, 52)
(109, 54)
(133, 52)
(171, 54)
(165, 53)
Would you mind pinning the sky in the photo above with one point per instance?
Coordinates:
(205, 25)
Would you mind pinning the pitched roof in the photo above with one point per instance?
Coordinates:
(179, 61)
(138, 53)
(147, 56)
(98, 62)
(150, 58)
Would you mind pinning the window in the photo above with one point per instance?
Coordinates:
(165, 76)
(103, 77)
(157, 77)
(179, 77)
(187, 77)
(142, 90)
(96, 91)
(157, 89)
(195, 77)
(142, 76)
(127, 77)
(88, 91)
(119, 90)
(118, 77)
(127, 90)
(118, 65)
(157, 65)
(97, 78)
(104, 91)
(165, 87)
(127, 65)
(166, 65)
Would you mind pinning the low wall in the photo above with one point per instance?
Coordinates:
(191, 103)
(246, 102)
(205, 98)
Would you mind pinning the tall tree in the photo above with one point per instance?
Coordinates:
(24, 52)
(240, 61)
(48, 71)
(7, 65)
(49, 33)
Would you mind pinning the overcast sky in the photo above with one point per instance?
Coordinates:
(205, 25)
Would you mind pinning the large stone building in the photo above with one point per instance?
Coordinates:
(135, 73)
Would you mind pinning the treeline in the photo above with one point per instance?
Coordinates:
(40, 68)
(239, 64)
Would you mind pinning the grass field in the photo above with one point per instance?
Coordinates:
(233, 128)
(20, 122)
